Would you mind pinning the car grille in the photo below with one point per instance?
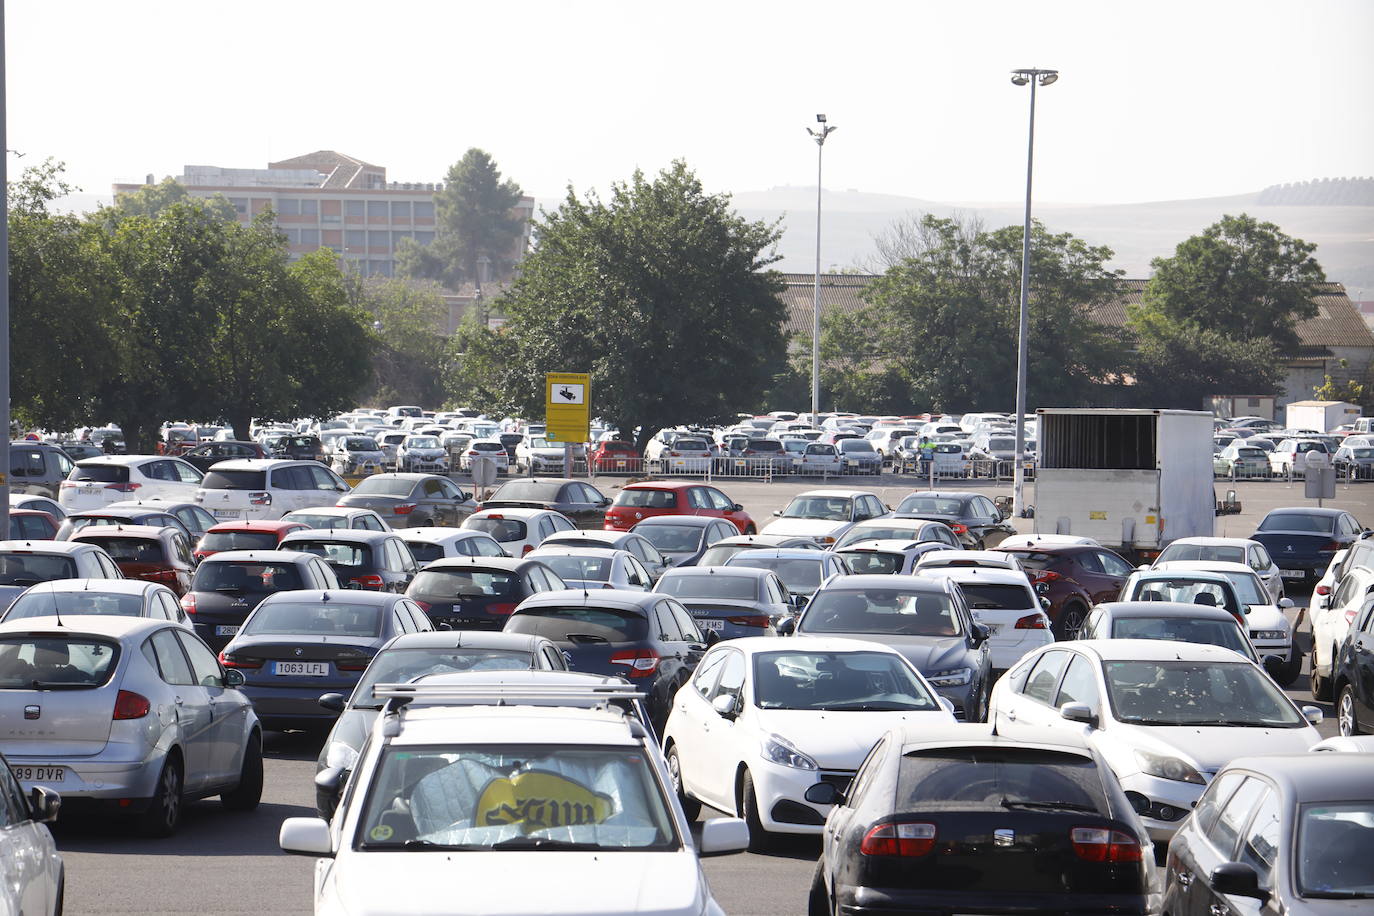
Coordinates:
(840, 779)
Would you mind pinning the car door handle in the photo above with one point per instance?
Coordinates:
(180, 701)
(1011, 714)
(1184, 878)
(1219, 909)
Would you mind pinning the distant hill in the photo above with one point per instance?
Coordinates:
(1324, 192)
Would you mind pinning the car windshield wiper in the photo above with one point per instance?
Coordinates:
(1048, 806)
(881, 706)
(1139, 721)
(541, 842)
(60, 685)
(426, 845)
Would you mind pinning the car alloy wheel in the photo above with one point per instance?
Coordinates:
(164, 811)
(1346, 717)
(690, 806)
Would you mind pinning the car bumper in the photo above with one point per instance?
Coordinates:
(94, 779)
(1281, 648)
(1008, 647)
(1170, 802)
(779, 791)
(853, 901)
(295, 706)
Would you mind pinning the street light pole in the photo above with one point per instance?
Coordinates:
(819, 136)
(1020, 78)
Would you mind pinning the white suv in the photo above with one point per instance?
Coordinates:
(267, 488)
(96, 482)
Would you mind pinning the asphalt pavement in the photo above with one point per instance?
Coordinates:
(221, 862)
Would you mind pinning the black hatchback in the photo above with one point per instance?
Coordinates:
(478, 593)
(954, 819)
(581, 502)
(229, 584)
(649, 638)
(377, 561)
(977, 520)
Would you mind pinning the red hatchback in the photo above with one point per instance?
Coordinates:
(638, 501)
(245, 535)
(614, 456)
(160, 555)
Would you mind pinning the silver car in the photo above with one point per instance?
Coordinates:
(126, 713)
(111, 597)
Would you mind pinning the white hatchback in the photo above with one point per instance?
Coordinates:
(1004, 602)
(519, 530)
(96, 482)
(267, 488)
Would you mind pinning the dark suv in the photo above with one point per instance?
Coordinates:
(38, 468)
(230, 583)
(300, 448)
(378, 561)
(1074, 577)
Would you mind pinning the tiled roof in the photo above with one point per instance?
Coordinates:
(1337, 324)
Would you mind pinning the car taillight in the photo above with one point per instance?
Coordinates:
(1046, 576)
(502, 609)
(352, 664)
(372, 582)
(526, 549)
(674, 454)
(404, 508)
(130, 705)
(641, 662)
(1031, 622)
(69, 484)
(161, 575)
(958, 528)
(1330, 547)
(188, 602)
(1098, 844)
(424, 605)
(902, 839)
(1350, 615)
(749, 451)
(229, 660)
(1323, 590)
(473, 454)
(123, 487)
(750, 620)
(261, 498)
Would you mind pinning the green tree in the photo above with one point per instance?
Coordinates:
(660, 293)
(152, 199)
(1241, 277)
(1180, 364)
(409, 319)
(1346, 386)
(476, 220)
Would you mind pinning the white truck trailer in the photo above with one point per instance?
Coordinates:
(1133, 480)
(1322, 416)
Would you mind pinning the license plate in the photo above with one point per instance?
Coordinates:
(90, 491)
(620, 464)
(992, 628)
(708, 623)
(226, 513)
(1293, 573)
(312, 669)
(39, 774)
(226, 631)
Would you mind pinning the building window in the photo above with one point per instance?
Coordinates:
(379, 268)
(377, 240)
(424, 238)
(355, 238)
(396, 238)
(400, 211)
(310, 237)
(353, 208)
(240, 204)
(376, 210)
(293, 236)
(424, 209)
(333, 238)
(309, 207)
(288, 206)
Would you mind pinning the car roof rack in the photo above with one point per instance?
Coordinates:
(399, 696)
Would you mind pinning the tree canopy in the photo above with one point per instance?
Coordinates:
(660, 292)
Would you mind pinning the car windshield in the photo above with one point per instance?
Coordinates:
(673, 538)
(838, 681)
(32, 568)
(1362, 453)
(709, 584)
(801, 576)
(244, 577)
(336, 554)
(1224, 633)
(896, 612)
(886, 531)
(384, 485)
(504, 530)
(318, 519)
(43, 662)
(832, 508)
(987, 596)
(46, 603)
(396, 666)
(360, 444)
(873, 562)
(1192, 693)
(1298, 521)
(932, 505)
(516, 797)
(446, 584)
(1185, 589)
(581, 624)
(999, 778)
(1202, 552)
(422, 442)
(646, 499)
(317, 618)
(1333, 858)
(584, 568)
(238, 540)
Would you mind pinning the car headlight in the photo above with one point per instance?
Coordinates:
(779, 750)
(1167, 768)
(341, 755)
(950, 677)
(1268, 634)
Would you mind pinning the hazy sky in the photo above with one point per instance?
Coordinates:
(1157, 100)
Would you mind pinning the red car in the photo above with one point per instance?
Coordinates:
(160, 555)
(614, 456)
(247, 535)
(32, 525)
(639, 501)
(1074, 577)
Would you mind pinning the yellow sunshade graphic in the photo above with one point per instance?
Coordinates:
(538, 800)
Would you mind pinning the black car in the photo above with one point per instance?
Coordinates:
(684, 538)
(1288, 834)
(646, 637)
(230, 583)
(377, 561)
(1302, 539)
(977, 521)
(954, 819)
(1353, 687)
(412, 500)
(581, 502)
(193, 516)
(208, 453)
(478, 593)
(300, 448)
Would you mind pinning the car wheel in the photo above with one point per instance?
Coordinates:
(1289, 671)
(246, 795)
(760, 840)
(1346, 717)
(818, 900)
(1069, 622)
(164, 811)
(60, 901)
(980, 707)
(1320, 686)
(690, 806)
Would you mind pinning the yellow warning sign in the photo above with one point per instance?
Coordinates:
(567, 406)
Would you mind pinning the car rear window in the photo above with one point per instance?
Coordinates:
(396, 666)
(447, 584)
(101, 473)
(647, 499)
(32, 568)
(127, 549)
(580, 624)
(893, 611)
(1297, 521)
(234, 480)
(504, 530)
(45, 603)
(872, 562)
(673, 538)
(854, 445)
(529, 490)
(28, 662)
(596, 569)
(1033, 560)
(238, 540)
(335, 618)
(764, 445)
(797, 574)
(487, 447)
(710, 585)
(697, 445)
(354, 556)
(932, 505)
(244, 576)
(998, 779)
(1202, 552)
(986, 596)
(359, 444)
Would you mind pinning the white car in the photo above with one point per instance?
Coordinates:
(825, 515)
(888, 528)
(357, 454)
(267, 488)
(1165, 715)
(428, 544)
(1265, 621)
(1347, 587)
(517, 809)
(595, 567)
(96, 482)
(518, 531)
(1004, 602)
(491, 449)
(1228, 550)
(764, 719)
(29, 861)
(688, 454)
(537, 455)
(338, 517)
(982, 559)
(422, 454)
(1024, 541)
(896, 556)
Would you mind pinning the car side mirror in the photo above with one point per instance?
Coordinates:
(725, 705)
(669, 561)
(737, 507)
(1273, 665)
(44, 804)
(823, 793)
(711, 637)
(1079, 712)
(464, 496)
(777, 512)
(1044, 602)
(603, 502)
(1238, 879)
(799, 601)
(306, 836)
(334, 702)
(1143, 567)
(1312, 714)
(233, 677)
(787, 626)
(1285, 603)
(722, 836)
(980, 634)
(946, 704)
